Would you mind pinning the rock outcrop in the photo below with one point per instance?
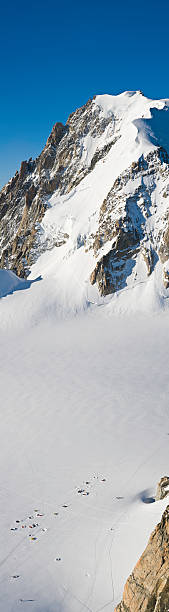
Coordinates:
(61, 166)
(162, 488)
(124, 220)
(128, 233)
(147, 588)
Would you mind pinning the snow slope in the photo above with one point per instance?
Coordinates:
(109, 151)
(9, 282)
(76, 214)
(84, 399)
(83, 442)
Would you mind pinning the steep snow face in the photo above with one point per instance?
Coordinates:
(9, 283)
(93, 209)
(116, 219)
(150, 117)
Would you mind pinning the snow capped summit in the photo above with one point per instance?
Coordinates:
(84, 235)
(93, 208)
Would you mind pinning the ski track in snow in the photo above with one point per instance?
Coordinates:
(84, 436)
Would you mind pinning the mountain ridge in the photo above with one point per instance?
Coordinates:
(112, 148)
(84, 393)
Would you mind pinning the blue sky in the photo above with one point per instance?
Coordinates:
(55, 55)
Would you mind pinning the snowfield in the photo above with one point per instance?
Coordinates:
(84, 440)
(84, 389)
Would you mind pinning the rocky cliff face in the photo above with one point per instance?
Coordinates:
(124, 220)
(110, 141)
(162, 488)
(147, 589)
(60, 167)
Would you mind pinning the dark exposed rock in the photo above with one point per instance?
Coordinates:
(123, 221)
(24, 200)
(166, 279)
(63, 163)
(112, 269)
(162, 488)
(29, 195)
(149, 257)
(164, 247)
(48, 155)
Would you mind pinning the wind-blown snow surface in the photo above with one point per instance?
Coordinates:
(83, 441)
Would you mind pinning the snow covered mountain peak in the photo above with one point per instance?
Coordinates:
(93, 209)
(134, 103)
(84, 399)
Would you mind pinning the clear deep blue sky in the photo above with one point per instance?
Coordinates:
(55, 55)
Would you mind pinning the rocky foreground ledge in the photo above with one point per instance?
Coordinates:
(147, 588)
